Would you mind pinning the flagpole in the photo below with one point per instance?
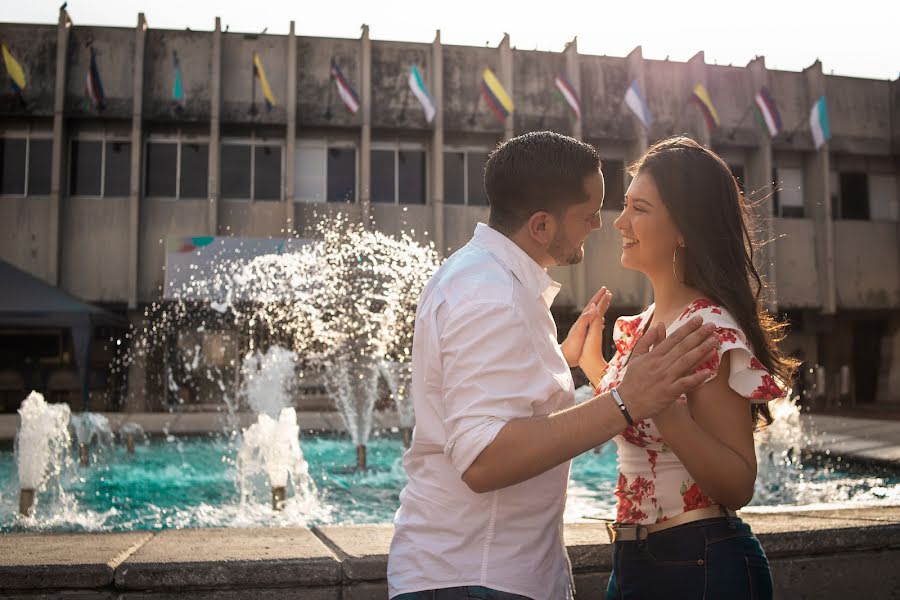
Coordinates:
(252, 85)
(741, 121)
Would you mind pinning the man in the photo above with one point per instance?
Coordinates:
(496, 421)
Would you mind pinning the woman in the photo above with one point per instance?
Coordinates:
(684, 473)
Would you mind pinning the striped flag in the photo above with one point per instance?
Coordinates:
(14, 70)
(348, 95)
(496, 97)
(767, 111)
(92, 84)
(417, 85)
(260, 74)
(701, 97)
(177, 87)
(818, 123)
(635, 101)
(568, 93)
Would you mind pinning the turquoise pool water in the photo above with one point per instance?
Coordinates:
(192, 482)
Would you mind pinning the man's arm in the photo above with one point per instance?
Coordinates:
(527, 447)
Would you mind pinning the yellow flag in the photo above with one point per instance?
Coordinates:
(16, 74)
(263, 82)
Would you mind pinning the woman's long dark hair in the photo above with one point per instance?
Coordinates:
(715, 218)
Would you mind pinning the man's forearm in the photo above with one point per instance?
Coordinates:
(525, 448)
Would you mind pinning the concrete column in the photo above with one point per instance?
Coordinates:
(215, 107)
(58, 166)
(639, 142)
(506, 78)
(759, 185)
(365, 138)
(817, 183)
(696, 68)
(134, 192)
(437, 144)
(290, 142)
(573, 74)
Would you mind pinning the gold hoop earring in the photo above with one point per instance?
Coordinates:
(674, 258)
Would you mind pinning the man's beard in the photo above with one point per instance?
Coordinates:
(563, 252)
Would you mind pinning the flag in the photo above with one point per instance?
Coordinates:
(14, 70)
(93, 85)
(701, 97)
(421, 92)
(260, 74)
(348, 95)
(818, 123)
(635, 101)
(568, 93)
(767, 111)
(177, 87)
(496, 97)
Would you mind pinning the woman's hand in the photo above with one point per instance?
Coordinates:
(584, 345)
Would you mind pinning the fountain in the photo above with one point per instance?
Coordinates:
(42, 442)
(90, 428)
(398, 376)
(130, 432)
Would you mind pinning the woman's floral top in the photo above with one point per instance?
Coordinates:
(653, 485)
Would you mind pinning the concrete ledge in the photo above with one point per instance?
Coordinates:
(229, 558)
(79, 560)
(814, 554)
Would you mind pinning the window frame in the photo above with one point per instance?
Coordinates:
(396, 147)
(104, 139)
(325, 144)
(179, 140)
(466, 149)
(28, 136)
(253, 142)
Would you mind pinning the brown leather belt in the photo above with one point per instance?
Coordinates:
(620, 532)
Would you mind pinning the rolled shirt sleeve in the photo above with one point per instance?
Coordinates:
(492, 374)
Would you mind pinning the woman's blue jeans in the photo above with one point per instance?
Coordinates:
(710, 559)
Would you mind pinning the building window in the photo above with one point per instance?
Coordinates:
(176, 169)
(25, 166)
(614, 184)
(398, 176)
(100, 168)
(325, 173)
(251, 171)
(883, 198)
(788, 193)
(464, 177)
(13, 161)
(850, 195)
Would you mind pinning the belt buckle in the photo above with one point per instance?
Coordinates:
(611, 532)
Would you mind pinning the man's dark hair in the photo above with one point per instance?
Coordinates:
(538, 171)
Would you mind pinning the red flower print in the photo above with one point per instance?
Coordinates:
(767, 390)
(629, 327)
(652, 456)
(712, 364)
(756, 365)
(635, 435)
(694, 498)
(622, 346)
(727, 336)
(640, 488)
(698, 305)
(626, 511)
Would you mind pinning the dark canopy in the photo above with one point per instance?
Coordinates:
(26, 301)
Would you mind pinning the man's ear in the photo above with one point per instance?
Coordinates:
(542, 228)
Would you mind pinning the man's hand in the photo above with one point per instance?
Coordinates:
(592, 316)
(657, 377)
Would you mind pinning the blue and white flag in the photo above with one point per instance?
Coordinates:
(635, 102)
(818, 123)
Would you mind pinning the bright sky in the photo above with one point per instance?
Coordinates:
(857, 38)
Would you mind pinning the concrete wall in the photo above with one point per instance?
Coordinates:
(34, 48)
(317, 101)
(866, 256)
(604, 80)
(93, 263)
(398, 108)
(194, 50)
(114, 51)
(796, 275)
(24, 239)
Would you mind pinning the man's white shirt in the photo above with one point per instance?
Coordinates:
(484, 353)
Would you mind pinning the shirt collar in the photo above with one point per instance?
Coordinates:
(527, 271)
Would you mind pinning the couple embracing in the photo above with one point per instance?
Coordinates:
(496, 420)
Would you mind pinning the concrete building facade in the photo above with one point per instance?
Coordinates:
(88, 197)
